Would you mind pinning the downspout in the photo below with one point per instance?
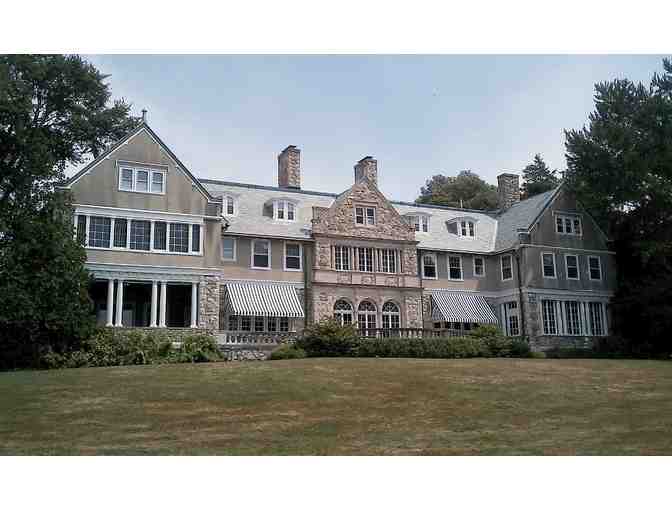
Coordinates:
(520, 292)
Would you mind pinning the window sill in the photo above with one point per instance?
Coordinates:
(261, 268)
(148, 252)
(163, 193)
(293, 270)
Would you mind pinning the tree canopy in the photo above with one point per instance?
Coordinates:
(55, 111)
(620, 167)
(466, 190)
(538, 177)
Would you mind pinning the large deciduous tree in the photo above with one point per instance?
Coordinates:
(620, 167)
(465, 190)
(55, 111)
(538, 177)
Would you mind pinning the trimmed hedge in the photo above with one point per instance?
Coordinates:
(288, 351)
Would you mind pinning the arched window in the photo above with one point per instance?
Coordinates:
(391, 316)
(228, 205)
(366, 315)
(343, 312)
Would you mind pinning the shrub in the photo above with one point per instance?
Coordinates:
(327, 339)
(520, 348)
(451, 347)
(288, 351)
(196, 349)
(497, 344)
(537, 355)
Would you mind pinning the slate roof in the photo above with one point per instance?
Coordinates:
(493, 232)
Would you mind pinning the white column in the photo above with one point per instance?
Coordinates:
(194, 304)
(110, 302)
(162, 309)
(152, 317)
(120, 302)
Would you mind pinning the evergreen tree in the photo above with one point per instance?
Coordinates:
(538, 177)
(55, 111)
(465, 190)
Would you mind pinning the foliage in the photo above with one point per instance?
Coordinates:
(451, 347)
(198, 348)
(466, 190)
(520, 348)
(54, 112)
(538, 177)
(328, 338)
(620, 168)
(288, 351)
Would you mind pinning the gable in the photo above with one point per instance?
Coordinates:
(98, 183)
(339, 219)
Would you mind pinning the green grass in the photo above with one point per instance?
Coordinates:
(343, 406)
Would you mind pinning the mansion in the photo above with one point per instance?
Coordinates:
(169, 250)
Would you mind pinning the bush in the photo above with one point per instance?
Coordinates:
(288, 351)
(451, 347)
(327, 339)
(196, 349)
(498, 345)
(520, 348)
(537, 355)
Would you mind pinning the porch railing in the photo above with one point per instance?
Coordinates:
(409, 333)
(253, 338)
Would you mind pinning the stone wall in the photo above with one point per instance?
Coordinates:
(413, 312)
(508, 190)
(367, 168)
(289, 168)
(209, 303)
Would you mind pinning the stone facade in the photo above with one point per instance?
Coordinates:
(289, 168)
(209, 304)
(413, 311)
(367, 168)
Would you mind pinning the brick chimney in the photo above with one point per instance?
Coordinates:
(289, 168)
(367, 167)
(508, 190)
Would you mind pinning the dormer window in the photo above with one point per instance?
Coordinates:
(466, 228)
(284, 210)
(365, 216)
(420, 222)
(229, 205)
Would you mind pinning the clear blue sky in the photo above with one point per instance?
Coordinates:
(227, 117)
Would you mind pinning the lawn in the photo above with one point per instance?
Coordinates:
(343, 407)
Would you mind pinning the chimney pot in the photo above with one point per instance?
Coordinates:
(289, 168)
(367, 167)
(508, 190)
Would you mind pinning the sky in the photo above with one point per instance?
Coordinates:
(228, 117)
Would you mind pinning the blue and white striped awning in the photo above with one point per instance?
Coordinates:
(461, 307)
(260, 298)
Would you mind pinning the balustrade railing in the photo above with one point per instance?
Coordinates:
(254, 338)
(409, 333)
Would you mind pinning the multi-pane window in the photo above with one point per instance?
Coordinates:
(507, 268)
(548, 265)
(565, 224)
(293, 256)
(245, 323)
(233, 323)
(179, 237)
(140, 235)
(284, 324)
(454, 268)
(342, 258)
(366, 315)
(343, 312)
(81, 229)
(429, 265)
(595, 315)
(228, 248)
(142, 180)
(467, 228)
(388, 260)
(258, 323)
(365, 259)
(120, 233)
(284, 210)
(548, 309)
(420, 223)
(511, 318)
(272, 324)
(365, 215)
(391, 316)
(479, 266)
(160, 235)
(99, 232)
(572, 267)
(595, 267)
(572, 317)
(196, 238)
(261, 254)
(228, 205)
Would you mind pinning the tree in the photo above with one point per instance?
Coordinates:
(620, 167)
(538, 177)
(466, 190)
(55, 111)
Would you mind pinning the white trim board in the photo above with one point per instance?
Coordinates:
(141, 214)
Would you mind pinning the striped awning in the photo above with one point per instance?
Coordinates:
(261, 298)
(461, 307)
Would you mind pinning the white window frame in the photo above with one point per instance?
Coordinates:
(501, 267)
(252, 243)
(599, 266)
(553, 308)
(285, 207)
(229, 199)
(373, 252)
(459, 257)
(365, 215)
(571, 218)
(469, 226)
(348, 252)
(419, 222)
(235, 249)
(382, 260)
(578, 267)
(436, 265)
(284, 258)
(150, 179)
(555, 266)
(474, 268)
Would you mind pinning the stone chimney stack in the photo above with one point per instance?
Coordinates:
(367, 167)
(289, 168)
(508, 190)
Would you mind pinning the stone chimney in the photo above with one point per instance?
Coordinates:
(367, 167)
(289, 168)
(508, 190)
